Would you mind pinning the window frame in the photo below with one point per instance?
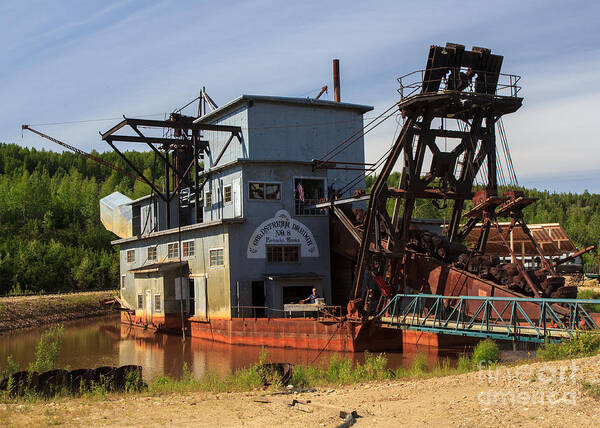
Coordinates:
(294, 189)
(123, 282)
(173, 245)
(225, 188)
(127, 253)
(282, 259)
(187, 241)
(264, 190)
(140, 302)
(210, 263)
(155, 249)
(160, 305)
(208, 199)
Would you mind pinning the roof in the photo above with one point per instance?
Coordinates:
(174, 230)
(307, 102)
(551, 237)
(160, 267)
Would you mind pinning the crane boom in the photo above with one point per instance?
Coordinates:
(81, 152)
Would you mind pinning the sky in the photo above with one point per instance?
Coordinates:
(87, 61)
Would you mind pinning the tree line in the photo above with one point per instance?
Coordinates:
(578, 214)
(51, 238)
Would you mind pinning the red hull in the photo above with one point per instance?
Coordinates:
(345, 336)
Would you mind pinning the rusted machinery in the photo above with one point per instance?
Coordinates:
(460, 96)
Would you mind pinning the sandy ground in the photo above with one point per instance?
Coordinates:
(34, 311)
(533, 395)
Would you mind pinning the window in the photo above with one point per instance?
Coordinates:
(123, 281)
(270, 191)
(140, 301)
(173, 250)
(208, 199)
(157, 303)
(216, 257)
(227, 194)
(130, 256)
(188, 248)
(151, 253)
(283, 253)
(257, 191)
(307, 192)
(273, 191)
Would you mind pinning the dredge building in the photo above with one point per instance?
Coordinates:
(255, 242)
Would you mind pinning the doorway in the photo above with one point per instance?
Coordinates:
(258, 298)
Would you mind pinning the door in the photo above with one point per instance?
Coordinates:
(236, 195)
(148, 306)
(258, 299)
(200, 300)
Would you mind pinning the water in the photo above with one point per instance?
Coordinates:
(105, 341)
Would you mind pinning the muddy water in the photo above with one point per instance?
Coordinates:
(105, 341)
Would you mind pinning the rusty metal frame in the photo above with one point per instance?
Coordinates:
(182, 125)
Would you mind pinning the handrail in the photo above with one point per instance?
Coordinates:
(508, 318)
(322, 311)
(415, 82)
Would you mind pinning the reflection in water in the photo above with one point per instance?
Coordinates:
(98, 342)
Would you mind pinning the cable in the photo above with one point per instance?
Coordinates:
(358, 132)
(90, 120)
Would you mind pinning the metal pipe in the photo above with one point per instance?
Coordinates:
(336, 81)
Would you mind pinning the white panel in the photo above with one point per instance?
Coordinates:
(148, 305)
(236, 194)
(200, 293)
(182, 288)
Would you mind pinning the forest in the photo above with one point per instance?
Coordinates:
(51, 238)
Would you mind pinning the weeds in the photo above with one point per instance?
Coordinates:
(48, 350)
(591, 389)
(485, 353)
(584, 344)
(589, 294)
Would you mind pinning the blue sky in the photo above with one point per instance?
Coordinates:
(81, 60)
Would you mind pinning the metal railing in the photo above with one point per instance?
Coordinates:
(312, 311)
(458, 79)
(307, 207)
(505, 318)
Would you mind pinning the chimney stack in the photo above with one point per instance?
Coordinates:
(336, 80)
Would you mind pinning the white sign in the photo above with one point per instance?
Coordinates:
(282, 230)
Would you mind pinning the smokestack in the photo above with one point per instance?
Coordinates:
(336, 81)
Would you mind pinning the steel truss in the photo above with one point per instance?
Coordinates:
(503, 318)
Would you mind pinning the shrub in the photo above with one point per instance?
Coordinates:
(582, 345)
(374, 368)
(485, 353)
(48, 350)
(339, 370)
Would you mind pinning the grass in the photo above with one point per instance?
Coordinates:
(584, 344)
(591, 389)
(589, 294)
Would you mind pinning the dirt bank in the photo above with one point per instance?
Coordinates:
(34, 311)
(533, 395)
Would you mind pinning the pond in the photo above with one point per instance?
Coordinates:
(105, 341)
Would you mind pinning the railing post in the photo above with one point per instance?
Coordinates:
(544, 318)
